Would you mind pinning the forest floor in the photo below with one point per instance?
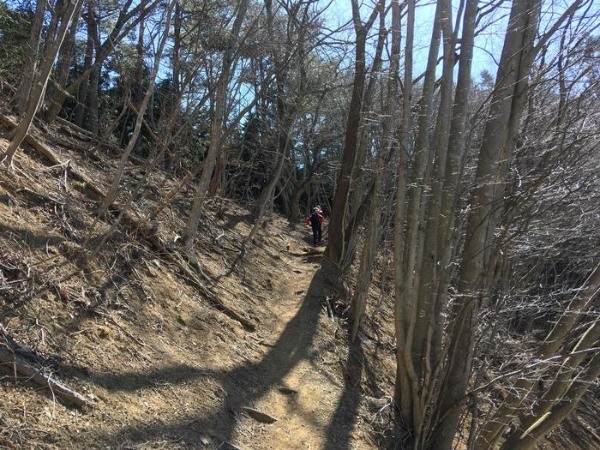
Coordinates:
(247, 353)
(223, 353)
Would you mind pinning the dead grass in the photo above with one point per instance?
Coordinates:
(166, 365)
(163, 348)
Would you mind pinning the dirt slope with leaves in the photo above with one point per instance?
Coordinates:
(247, 353)
(226, 353)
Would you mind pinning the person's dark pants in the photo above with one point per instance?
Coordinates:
(316, 235)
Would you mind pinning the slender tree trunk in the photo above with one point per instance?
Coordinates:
(126, 21)
(113, 190)
(267, 194)
(426, 234)
(402, 387)
(82, 92)
(451, 119)
(63, 66)
(496, 149)
(92, 100)
(335, 246)
(556, 339)
(171, 160)
(408, 379)
(31, 58)
(61, 21)
(216, 129)
(359, 300)
(561, 408)
(358, 202)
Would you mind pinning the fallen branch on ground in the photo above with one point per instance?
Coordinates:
(306, 252)
(9, 358)
(211, 296)
(257, 415)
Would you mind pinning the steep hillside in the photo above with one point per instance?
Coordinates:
(156, 352)
(229, 353)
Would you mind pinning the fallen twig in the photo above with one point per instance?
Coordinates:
(9, 358)
(211, 296)
(257, 415)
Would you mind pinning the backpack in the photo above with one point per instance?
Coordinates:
(314, 219)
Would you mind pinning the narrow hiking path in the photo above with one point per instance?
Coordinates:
(165, 367)
(305, 398)
(291, 369)
(302, 397)
(170, 361)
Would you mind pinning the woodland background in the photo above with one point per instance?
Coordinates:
(476, 188)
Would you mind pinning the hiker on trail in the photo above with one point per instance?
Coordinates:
(315, 221)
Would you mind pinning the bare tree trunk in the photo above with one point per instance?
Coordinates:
(31, 60)
(407, 378)
(93, 81)
(335, 246)
(113, 190)
(359, 300)
(61, 21)
(496, 150)
(171, 158)
(422, 291)
(79, 110)
(65, 57)
(556, 339)
(429, 304)
(267, 195)
(402, 388)
(358, 202)
(576, 385)
(126, 21)
(93, 102)
(216, 129)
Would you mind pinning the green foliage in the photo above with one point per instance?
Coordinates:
(253, 159)
(14, 36)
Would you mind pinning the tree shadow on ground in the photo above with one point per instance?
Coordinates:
(232, 219)
(340, 428)
(243, 385)
(34, 240)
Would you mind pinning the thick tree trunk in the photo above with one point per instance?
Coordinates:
(295, 213)
(496, 150)
(335, 244)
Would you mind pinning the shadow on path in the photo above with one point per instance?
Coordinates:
(340, 427)
(243, 385)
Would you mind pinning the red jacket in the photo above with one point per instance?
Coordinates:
(308, 222)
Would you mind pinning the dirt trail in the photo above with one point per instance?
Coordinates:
(166, 367)
(305, 398)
